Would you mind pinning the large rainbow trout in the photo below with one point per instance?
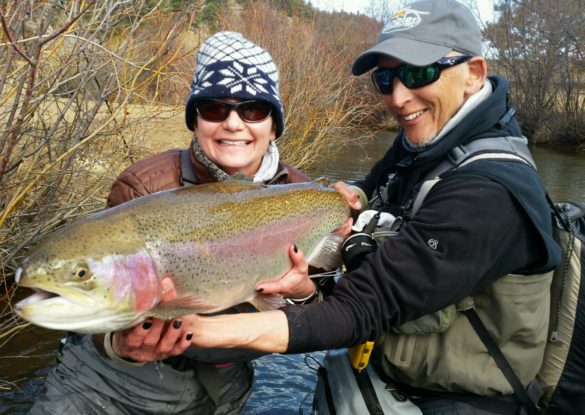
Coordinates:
(217, 241)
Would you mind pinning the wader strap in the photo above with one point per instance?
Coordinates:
(494, 146)
(529, 407)
(188, 176)
(422, 194)
(368, 393)
(327, 386)
(208, 375)
(436, 174)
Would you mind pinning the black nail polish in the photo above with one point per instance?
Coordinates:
(189, 336)
(296, 248)
(146, 325)
(177, 324)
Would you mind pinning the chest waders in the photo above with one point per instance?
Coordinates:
(498, 148)
(559, 386)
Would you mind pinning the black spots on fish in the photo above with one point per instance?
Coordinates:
(169, 257)
(254, 261)
(190, 269)
(49, 258)
(216, 232)
(145, 226)
(87, 285)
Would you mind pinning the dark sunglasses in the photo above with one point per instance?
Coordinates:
(414, 76)
(216, 110)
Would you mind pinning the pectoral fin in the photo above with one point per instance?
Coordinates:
(268, 302)
(327, 255)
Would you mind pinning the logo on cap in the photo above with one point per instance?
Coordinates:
(403, 19)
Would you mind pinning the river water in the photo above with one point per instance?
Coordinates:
(283, 384)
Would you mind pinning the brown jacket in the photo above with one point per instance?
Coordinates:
(163, 172)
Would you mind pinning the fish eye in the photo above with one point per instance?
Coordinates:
(81, 273)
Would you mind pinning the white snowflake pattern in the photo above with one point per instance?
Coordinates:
(238, 77)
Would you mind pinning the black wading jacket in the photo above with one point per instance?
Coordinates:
(484, 221)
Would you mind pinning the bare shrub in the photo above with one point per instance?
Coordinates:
(74, 78)
(538, 46)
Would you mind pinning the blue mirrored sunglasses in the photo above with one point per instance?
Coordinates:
(414, 76)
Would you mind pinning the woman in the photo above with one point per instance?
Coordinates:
(236, 113)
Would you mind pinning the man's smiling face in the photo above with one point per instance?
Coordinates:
(423, 112)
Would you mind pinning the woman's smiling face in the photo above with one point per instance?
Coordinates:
(234, 145)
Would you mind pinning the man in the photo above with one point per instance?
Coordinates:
(481, 237)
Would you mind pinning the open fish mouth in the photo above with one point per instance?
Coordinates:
(66, 298)
(56, 312)
(41, 296)
(47, 294)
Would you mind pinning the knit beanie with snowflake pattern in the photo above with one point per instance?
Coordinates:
(230, 66)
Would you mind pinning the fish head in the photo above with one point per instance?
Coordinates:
(89, 294)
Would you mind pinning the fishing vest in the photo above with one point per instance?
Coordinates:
(442, 351)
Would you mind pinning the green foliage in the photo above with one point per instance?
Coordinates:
(294, 8)
(210, 14)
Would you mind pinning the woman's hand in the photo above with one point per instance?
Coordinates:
(154, 339)
(350, 196)
(295, 283)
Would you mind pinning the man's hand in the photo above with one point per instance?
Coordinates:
(154, 339)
